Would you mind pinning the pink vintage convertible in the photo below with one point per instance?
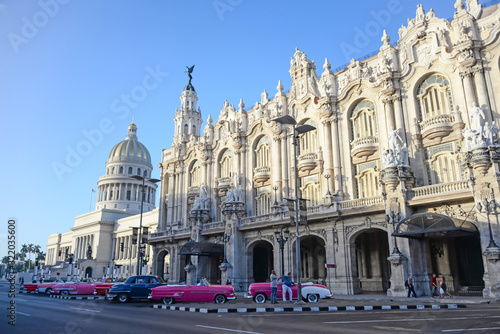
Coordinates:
(78, 288)
(170, 294)
(260, 292)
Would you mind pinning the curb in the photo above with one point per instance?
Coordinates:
(77, 297)
(309, 309)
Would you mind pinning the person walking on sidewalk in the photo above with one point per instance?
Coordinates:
(434, 286)
(442, 286)
(411, 287)
(287, 283)
(274, 286)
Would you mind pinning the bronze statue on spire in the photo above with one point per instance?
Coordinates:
(189, 71)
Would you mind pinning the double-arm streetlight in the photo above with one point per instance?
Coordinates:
(395, 220)
(139, 237)
(281, 238)
(489, 206)
(297, 129)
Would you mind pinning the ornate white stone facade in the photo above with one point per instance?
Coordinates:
(398, 132)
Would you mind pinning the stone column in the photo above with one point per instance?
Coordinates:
(482, 92)
(337, 166)
(328, 152)
(389, 113)
(275, 160)
(468, 89)
(398, 112)
(285, 171)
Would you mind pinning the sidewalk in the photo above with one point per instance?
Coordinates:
(336, 303)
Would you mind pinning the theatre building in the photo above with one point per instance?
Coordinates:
(398, 165)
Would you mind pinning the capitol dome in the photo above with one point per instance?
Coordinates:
(130, 149)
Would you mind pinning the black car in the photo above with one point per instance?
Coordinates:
(134, 287)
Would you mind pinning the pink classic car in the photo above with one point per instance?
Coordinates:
(78, 288)
(46, 287)
(170, 294)
(310, 292)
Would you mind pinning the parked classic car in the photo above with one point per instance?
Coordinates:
(30, 286)
(310, 292)
(46, 287)
(170, 294)
(134, 287)
(78, 288)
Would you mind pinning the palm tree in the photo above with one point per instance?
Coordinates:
(30, 250)
(5, 259)
(20, 257)
(23, 251)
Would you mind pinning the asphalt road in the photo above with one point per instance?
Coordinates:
(40, 314)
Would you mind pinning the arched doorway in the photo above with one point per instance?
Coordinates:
(371, 264)
(312, 258)
(88, 272)
(452, 248)
(163, 264)
(262, 261)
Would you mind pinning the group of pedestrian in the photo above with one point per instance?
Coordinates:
(287, 284)
(438, 284)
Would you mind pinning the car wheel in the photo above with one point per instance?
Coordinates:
(64, 293)
(109, 298)
(123, 297)
(312, 298)
(48, 292)
(168, 300)
(220, 299)
(260, 298)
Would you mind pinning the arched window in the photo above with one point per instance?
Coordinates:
(186, 128)
(139, 171)
(262, 152)
(434, 97)
(442, 164)
(363, 120)
(121, 170)
(113, 170)
(130, 170)
(310, 191)
(194, 130)
(107, 171)
(367, 179)
(226, 164)
(309, 140)
(263, 201)
(145, 173)
(194, 174)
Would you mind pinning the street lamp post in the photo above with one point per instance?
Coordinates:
(489, 206)
(297, 129)
(281, 238)
(139, 239)
(225, 240)
(327, 177)
(395, 219)
(275, 188)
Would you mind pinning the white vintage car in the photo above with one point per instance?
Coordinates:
(310, 292)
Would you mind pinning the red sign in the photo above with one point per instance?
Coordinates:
(330, 266)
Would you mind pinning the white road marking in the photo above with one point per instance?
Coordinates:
(340, 313)
(469, 329)
(26, 314)
(227, 329)
(84, 309)
(413, 319)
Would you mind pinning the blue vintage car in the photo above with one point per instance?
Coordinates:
(134, 287)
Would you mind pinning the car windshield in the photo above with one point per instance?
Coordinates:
(144, 279)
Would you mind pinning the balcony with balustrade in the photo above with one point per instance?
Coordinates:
(364, 146)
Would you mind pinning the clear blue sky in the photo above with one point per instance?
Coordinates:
(66, 67)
